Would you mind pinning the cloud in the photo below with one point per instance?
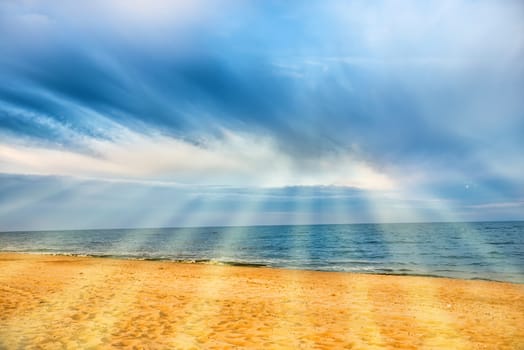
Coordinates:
(231, 159)
(420, 98)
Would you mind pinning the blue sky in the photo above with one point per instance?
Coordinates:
(176, 113)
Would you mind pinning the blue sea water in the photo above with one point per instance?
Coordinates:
(487, 250)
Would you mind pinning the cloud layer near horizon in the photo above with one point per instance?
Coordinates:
(419, 99)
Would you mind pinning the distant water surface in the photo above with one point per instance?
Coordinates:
(487, 250)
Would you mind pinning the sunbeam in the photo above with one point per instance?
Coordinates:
(32, 196)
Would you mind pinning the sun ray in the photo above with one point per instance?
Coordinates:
(299, 241)
(32, 196)
(439, 314)
(204, 305)
(470, 240)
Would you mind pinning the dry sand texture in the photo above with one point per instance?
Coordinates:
(57, 302)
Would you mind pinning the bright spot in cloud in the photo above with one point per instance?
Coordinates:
(235, 159)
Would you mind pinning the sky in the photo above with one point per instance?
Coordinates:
(223, 112)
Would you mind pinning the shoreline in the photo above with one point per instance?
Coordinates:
(58, 301)
(254, 265)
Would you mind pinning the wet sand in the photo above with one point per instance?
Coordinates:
(59, 302)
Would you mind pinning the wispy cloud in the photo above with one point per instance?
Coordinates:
(230, 159)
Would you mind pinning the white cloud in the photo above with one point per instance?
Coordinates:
(238, 159)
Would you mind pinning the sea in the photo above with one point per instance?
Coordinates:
(477, 250)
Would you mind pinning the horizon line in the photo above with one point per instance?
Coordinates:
(266, 225)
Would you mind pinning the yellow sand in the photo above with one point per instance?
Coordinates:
(57, 302)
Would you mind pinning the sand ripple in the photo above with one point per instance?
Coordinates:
(85, 303)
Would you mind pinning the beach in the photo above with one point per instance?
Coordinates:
(66, 302)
